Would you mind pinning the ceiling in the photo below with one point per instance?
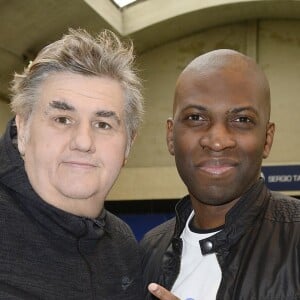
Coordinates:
(28, 25)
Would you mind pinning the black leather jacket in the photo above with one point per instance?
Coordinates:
(258, 250)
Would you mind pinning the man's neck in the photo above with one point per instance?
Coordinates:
(209, 216)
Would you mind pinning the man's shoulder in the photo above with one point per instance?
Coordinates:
(283, 208)
(164, 230)
(115, 225)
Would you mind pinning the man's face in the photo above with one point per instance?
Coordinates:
(75, 141)
(220, 134)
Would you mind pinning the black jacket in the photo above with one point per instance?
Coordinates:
(47, 253)
(258, 250)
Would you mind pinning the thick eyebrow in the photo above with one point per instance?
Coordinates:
(61, 105)
(108, 114)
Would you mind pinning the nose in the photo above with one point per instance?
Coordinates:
(82, 138)
(217, 138)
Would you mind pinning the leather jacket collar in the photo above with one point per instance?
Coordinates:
(237, 220)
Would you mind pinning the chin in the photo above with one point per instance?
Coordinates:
(212, 200)
(214, 196)
(77, 193)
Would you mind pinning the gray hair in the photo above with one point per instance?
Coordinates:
(79, 52)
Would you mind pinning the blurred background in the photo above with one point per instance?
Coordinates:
(167, 35)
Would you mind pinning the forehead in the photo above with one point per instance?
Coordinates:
(220, 87)
(84, 93)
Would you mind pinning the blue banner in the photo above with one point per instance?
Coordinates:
(282, 177)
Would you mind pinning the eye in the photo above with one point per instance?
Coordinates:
(243, 119)
(195, 117)
(243, 122)
(63, 120)
(102, 125)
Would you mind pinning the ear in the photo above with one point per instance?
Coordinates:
(170, 136)
(21, 128)
(269, 139)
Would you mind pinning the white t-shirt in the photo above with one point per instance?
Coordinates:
(200, 276)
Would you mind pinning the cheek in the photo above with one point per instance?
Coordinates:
(186, 146)
(40, 157)
(113, 152)
(185, 156)
(252, 150)
(42, 150)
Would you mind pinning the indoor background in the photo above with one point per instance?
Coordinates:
(168, 34)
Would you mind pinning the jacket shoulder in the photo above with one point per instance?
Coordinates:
(153, 246)
(162, 232)
(283, 208)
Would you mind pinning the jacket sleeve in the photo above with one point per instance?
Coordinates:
(153, 246)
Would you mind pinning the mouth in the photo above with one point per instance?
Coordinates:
(80, 164)
(217, 167)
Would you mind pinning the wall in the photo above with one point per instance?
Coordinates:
(279, 55)
(275, 44)
(150, 172)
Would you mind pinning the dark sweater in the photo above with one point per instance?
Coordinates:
(47, 253)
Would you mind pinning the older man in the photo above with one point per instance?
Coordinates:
(78, 106)
(232, 238)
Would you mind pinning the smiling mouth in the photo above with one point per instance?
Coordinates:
(217, 170)
(217, 167)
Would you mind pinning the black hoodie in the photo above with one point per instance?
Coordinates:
(47, 253)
